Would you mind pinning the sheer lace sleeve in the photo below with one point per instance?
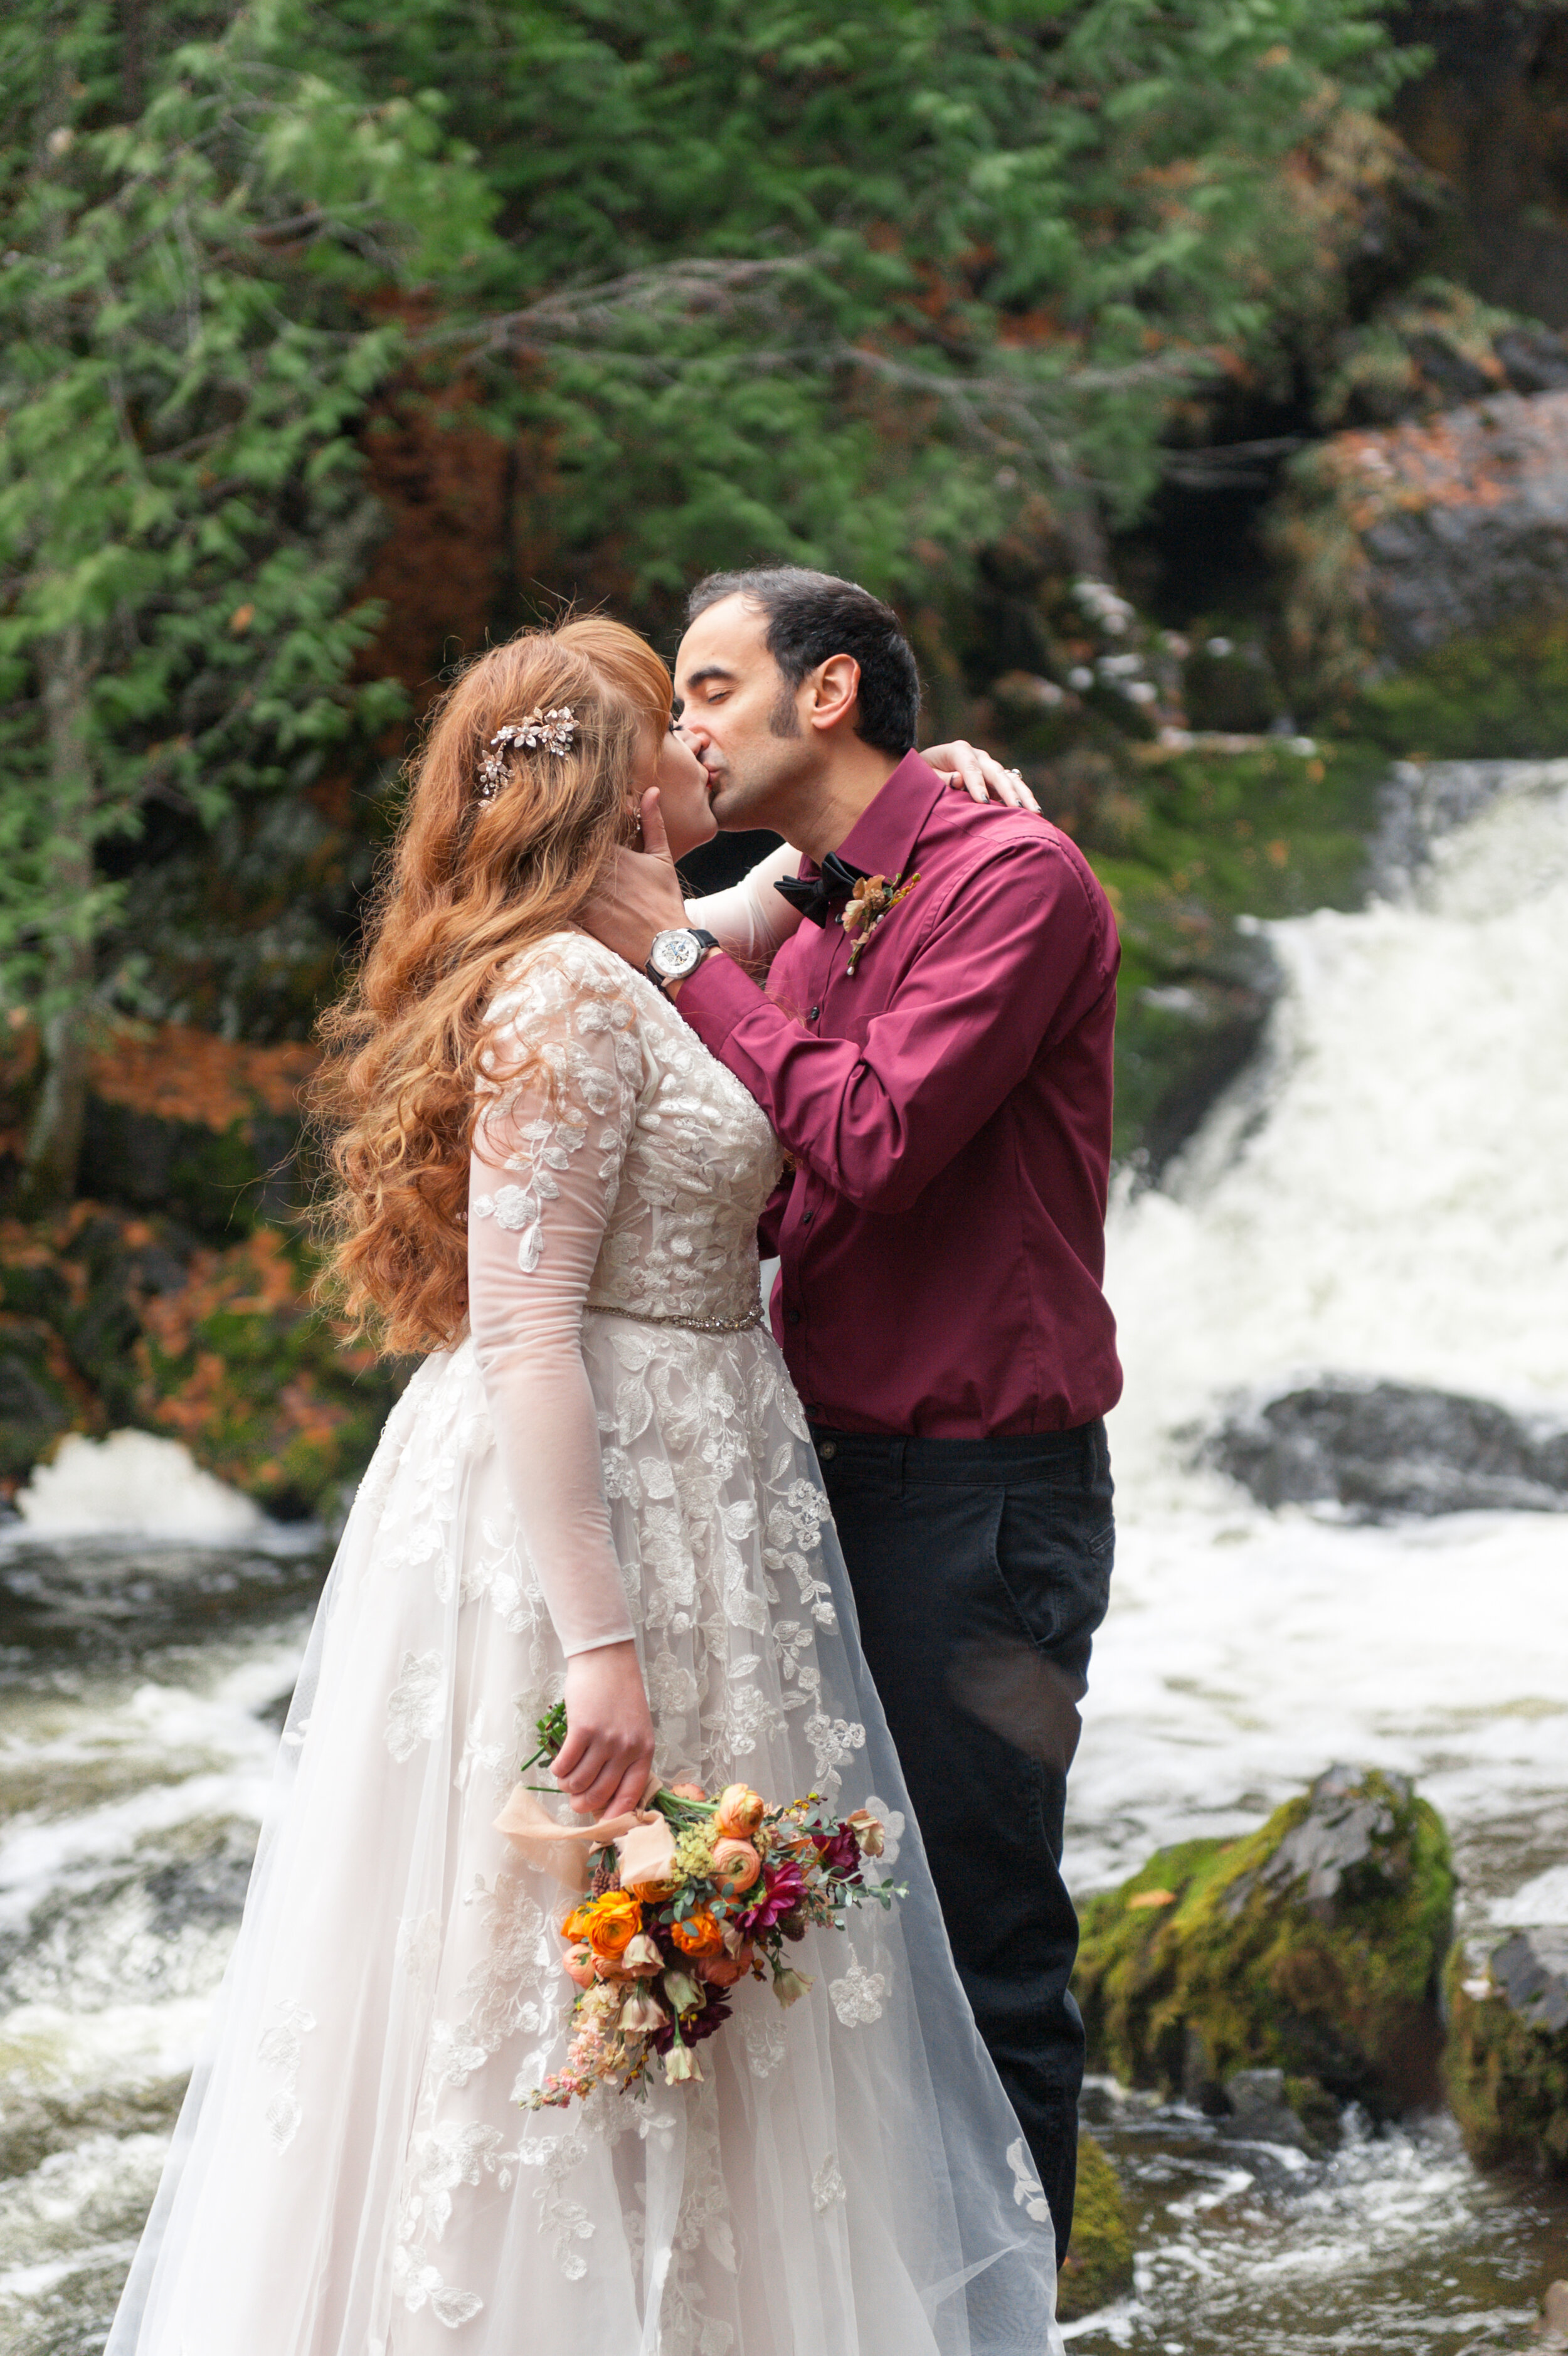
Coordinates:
(546, 1166)
(749, 919)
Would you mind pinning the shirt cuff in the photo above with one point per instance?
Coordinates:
(716, 998)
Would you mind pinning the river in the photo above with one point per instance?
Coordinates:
(1380, 1198)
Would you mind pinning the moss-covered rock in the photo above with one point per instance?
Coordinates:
(1501, 695)
(1098, 2266)
(1314, 1946)
(1507, 2058)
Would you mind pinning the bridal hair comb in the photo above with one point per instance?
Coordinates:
(554, 731)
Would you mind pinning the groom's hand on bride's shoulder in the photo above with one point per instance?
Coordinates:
(640, 894)
(980, 774)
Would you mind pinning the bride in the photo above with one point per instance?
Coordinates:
(597, 1485)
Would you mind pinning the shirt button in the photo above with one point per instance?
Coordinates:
(792, 1317)
(828, 1447)
(814, 1014)
(807, 1217)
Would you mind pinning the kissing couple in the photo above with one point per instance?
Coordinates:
(857, 1559)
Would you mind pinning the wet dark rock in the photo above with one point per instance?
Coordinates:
(1459, 564)
(1420, 802)
(1383, 1449)
(1312, 1948)
(1350, 1830)
(103, 1602)
(1532, 1972)
(1205, 1030)
(1507, 2060)
(1536, 359)
(1259, 2111)
(35, 1406)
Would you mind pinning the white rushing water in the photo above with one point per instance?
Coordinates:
(1383, 1196)
(134, 1484)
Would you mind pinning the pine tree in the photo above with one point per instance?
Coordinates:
(194, 310)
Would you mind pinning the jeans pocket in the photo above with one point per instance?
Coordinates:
(1053, 1553)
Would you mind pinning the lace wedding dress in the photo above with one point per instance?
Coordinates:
(616, 1449)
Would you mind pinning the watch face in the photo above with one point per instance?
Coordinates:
(675, 954)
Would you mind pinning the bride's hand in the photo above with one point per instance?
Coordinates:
(604, 1763)
(980, 774)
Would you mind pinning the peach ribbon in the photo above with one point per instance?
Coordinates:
(563, 1849)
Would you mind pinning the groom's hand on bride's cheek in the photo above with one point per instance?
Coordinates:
(640, 894)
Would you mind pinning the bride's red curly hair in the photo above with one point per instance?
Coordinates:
(470, 881)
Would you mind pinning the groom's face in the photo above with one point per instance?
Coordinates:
(739, 715)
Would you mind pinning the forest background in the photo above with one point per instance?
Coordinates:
(1117, 342)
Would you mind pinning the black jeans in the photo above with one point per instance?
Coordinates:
(981, 1569)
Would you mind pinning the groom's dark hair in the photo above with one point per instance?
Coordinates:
(814, 615)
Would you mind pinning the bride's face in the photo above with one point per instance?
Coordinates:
(669, 762)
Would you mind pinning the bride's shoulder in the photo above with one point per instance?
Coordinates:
(560, 972)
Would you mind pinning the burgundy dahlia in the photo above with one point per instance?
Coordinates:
(784, 1885)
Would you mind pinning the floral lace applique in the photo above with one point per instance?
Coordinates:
(764, 2036)
(858, 1997)
(280, 2048)
(828, 2185)
(416, 1706)
(566, 2221)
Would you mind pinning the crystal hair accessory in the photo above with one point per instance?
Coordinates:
(554, 731)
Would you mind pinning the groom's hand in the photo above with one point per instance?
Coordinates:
(640, 894)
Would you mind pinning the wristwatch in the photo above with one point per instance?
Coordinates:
(676, 954)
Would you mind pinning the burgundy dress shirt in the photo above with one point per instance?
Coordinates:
(947, 1107)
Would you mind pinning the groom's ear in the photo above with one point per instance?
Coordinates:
(835, 687)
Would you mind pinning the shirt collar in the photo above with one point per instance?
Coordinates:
(883, 836)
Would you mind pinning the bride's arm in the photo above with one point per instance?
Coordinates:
(749, 919)
(547, 1156)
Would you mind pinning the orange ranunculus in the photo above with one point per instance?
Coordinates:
(736, 1866)
(689, 1790)
(739, 1811)
(700, 1934)
(610, 1924)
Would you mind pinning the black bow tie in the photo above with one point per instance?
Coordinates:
(814, 895)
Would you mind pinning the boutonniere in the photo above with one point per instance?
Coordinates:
(874, 897)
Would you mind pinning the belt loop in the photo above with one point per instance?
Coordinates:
(898, 1456)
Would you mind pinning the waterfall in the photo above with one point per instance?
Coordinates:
(1383, 1196)
(1386, 1192)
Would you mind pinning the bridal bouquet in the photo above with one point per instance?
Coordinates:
(685, 1899)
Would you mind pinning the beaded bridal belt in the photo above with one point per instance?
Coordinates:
(685, 1324)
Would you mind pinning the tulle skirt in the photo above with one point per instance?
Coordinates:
(353, 2174)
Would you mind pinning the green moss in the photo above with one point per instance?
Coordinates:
(1219, 1969)
(1507, 2082)
(1098, 2267)
(1499, 696)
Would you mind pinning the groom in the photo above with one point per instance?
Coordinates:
(935, 1056)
